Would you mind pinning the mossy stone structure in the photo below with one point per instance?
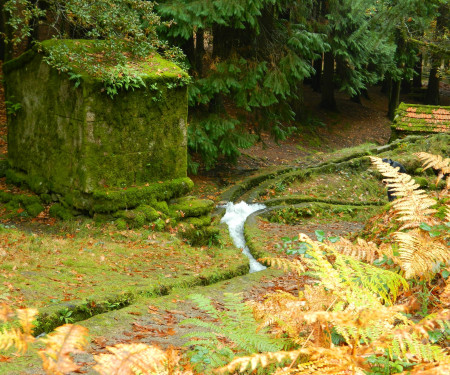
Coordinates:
(78, 139)
(420, 119)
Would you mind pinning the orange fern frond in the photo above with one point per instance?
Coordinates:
(19, 337)
(419, 254)
(413, 205)
(433, 161)
(444, 297)
(282, 311)
(60, 344)
(6, 313)
(337, 360)
(362, 250)
(26, 318)
(285, 264)
(439, 368)
(437, 163)
(14, 337)
(130, 359)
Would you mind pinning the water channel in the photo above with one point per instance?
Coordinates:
(235, 216)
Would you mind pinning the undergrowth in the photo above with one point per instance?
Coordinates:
(367, 312)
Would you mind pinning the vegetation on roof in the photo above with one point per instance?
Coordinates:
(422, 118)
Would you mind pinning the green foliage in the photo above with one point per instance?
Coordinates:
(12, 108)
(384, 365)
(61, 212)
(120, 31)
(236, 323)
(258, 59)
(217, 136)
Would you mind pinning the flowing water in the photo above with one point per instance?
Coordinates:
(235, 217)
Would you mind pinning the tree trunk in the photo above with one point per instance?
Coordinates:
(394, 97)
(432, 95)
(316, 78)
(199, 51)
(417, 78)
(298, 104)
(328, 100)
(6, 49)
(222, 41)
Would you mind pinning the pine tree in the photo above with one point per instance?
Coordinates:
(249, 77)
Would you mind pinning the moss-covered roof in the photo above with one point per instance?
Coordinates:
(422, 118)
(153, 67)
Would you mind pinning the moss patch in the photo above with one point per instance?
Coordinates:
(190, 207)
(87, 274)
(417, 118)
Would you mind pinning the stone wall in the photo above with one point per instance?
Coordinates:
(81, 139)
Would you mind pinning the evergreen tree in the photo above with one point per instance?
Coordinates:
(250, 74)
(357, 44)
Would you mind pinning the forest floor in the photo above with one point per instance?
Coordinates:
(156, 320)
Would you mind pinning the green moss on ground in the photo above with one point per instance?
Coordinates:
(88, 273)
(190, 207)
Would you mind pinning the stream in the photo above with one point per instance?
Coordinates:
(235, 216)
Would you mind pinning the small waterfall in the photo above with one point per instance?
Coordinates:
(235, 217)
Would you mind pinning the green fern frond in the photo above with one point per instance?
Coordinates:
(235, 322)
(410, 347)
(353, 281)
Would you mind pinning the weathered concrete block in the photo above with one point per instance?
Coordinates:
(81, 139)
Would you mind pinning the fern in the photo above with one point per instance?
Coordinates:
(236, 323)
(353, 281)
(419, 254)
(413, 205)
(441, 165)
(362, 250)
(60, 345)
(19, 337)
(419, 250)
(131, 359)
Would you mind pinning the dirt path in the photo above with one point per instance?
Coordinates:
(352, 125)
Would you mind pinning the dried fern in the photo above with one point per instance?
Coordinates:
(338, 360)
(362, 250)
(419, 253)
(438, 163)
(60, 344)
(445, 295)
(19, 337)
(413, 206)
(285, 264)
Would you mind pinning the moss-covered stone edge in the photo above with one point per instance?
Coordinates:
(105, 200)
(285, 173)
(52, 317)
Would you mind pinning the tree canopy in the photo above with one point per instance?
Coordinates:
(248, 58)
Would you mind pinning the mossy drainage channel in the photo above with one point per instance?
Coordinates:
(250, 189)
(52, 317)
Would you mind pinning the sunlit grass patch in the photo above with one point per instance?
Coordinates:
(44, 270)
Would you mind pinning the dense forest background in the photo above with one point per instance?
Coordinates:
(249, 59)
